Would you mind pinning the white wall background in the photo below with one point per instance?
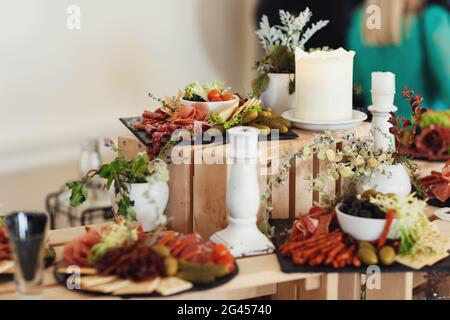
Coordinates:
(58, 86)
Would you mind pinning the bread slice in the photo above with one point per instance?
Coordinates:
(92, 281)
(172, 285)
(111, 286)
(142, 287)
(6, 266)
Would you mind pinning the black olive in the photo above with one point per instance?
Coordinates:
(357, 205)
(353, 212)
(343, 208)
(349, 200)
(365, 214)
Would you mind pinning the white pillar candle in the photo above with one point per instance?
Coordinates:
(383, 82)
(324, 85)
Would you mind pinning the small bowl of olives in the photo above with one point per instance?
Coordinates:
(361, 219)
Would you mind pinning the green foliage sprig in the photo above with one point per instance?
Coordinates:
(122, 173)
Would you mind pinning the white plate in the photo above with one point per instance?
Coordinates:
(358, 117)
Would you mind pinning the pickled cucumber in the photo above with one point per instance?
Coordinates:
(263, 130)
(161, 250)
(195, 277)
(216, 270)
(249, 117)
(170, 266)
(275, 124)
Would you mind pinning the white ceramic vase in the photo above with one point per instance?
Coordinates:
(150, 202)
(395, 180)
(277, 95)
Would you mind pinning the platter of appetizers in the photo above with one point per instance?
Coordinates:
(121, 260)
(389, 231)
(205, 111)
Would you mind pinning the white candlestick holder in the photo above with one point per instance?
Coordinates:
(383, 139)
(242, 235)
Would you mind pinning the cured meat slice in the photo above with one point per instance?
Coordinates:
(185, 112)
(78, 252)
(433, 141)
(202, 108)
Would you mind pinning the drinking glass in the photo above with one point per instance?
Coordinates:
(27, 235)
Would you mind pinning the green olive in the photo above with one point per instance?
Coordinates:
(367, 256)
(170, 266)
(367, 245)
(387, 255)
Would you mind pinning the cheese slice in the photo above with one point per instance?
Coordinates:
(92, 281)
(6, 266)
(172, 285)
(417, 263)
(143, 287)
(110, 286)
(436, 258)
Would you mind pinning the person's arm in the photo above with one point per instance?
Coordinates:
(437, 38)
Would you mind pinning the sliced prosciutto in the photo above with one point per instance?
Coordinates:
(160, 126)
(78, 252)
(437, 185)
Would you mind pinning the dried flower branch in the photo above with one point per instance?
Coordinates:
(400, 124)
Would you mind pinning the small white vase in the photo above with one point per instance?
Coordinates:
(277, 95)
(395, 180)
(150, 202)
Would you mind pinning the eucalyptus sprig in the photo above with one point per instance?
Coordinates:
(122, 173)
(279, 43)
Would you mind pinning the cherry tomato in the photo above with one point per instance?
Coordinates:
(227, 261)
(214, 93)
(220, 250)
(226, 96)
(216, 99)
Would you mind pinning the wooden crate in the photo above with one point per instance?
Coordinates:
(198, 191)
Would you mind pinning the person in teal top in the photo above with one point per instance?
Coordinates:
(413, 42)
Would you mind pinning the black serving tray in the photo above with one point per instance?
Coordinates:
(61, 278)
(287, 266)
(145, 139)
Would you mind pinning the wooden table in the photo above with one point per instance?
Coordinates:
(261, 276)
(258, 276)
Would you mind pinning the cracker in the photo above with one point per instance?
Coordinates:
(92, 281)
(110, 286)
(142, 287)
(6, 266)
(172, 285)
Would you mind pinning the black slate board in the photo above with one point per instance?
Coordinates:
(6, 277)
(439, 204)
(282, 225)
(145, 139)
(62, 278)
